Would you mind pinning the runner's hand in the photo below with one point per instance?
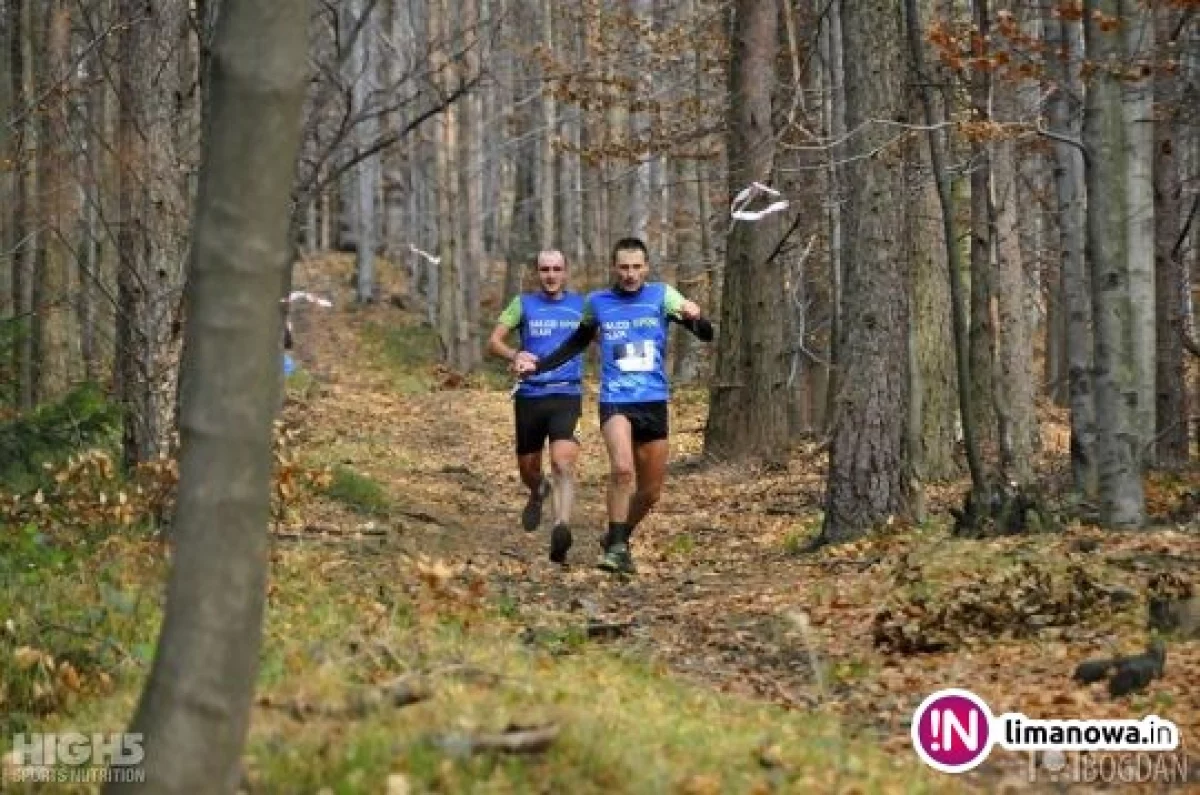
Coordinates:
(524, 363)
(690, 310)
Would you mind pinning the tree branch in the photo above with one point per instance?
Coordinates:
(316, 184)
(1062, 139)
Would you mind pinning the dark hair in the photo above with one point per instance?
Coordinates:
(630, 244)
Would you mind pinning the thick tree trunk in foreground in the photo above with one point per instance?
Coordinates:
(868, 466)
(195, 710)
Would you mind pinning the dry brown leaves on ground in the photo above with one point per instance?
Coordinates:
(720, 579)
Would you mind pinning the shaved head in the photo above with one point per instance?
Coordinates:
(552, 271)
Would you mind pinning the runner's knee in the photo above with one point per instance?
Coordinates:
(649, 495)
(621, 475)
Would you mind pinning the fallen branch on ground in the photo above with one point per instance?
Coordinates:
(513, 740)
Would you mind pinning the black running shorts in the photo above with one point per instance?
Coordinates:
(649, 421)
(539, 418)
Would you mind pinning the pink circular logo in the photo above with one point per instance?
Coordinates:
(952, 730)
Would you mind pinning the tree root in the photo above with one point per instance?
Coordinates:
(1005, 511)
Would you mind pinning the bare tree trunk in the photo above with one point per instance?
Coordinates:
(475, 258)
(956, 298)
(1119, 444)
(156, 129)
(868, 466)
(98, 170)
(690, 218)
(1054, 370)
(798, 174)
(453, 323)
(360, 70)
(933, 327)
(134, 352)
(617, 171)
(548, 228)
(325, 213)
(425, 177)
(1189, 145)
(1171, 408)
(395, 62)
(1014, 389)
(446, 140)
(983, 321)
(594, 136)
(495, 110)
(1042, 295)
(1138, 107)
(57, 326)
(835, 111)
(657, 233)
(27, 231)
(524, 230)
(89, 241)
(1063, 36)
(574, 243)
(9, 87)
(748, 414)
(689, 277)
(639, 125)
(195, 710)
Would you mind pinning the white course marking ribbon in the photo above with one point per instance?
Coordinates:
(426, 255)
(300, 295)
(739, 213)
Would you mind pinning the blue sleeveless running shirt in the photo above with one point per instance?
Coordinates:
(633, 340)
(546, 324)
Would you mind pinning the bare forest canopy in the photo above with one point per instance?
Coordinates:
(990, 211)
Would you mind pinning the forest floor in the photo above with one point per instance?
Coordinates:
(732, 662)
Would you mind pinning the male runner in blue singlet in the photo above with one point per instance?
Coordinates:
(631, 319)
(547, 405)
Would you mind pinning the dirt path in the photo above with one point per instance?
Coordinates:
(708, 593)
(721, 595)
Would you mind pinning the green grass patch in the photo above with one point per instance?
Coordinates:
(301, 384)
(406, 351)
(795, 542)
(77, 621)
(341, 623)
(683, 545)
(626, 724)
(358, 491)
(800, 538)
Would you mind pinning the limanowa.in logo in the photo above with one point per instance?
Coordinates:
(953, 730)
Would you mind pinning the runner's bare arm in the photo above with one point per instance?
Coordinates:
(509, 319)
(497, 346)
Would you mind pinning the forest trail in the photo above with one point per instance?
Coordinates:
(723, 596)
(715, 575)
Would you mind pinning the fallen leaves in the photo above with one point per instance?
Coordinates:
(1014, 602)
(722, 567)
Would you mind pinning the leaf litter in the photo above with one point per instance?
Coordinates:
(886, 620)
